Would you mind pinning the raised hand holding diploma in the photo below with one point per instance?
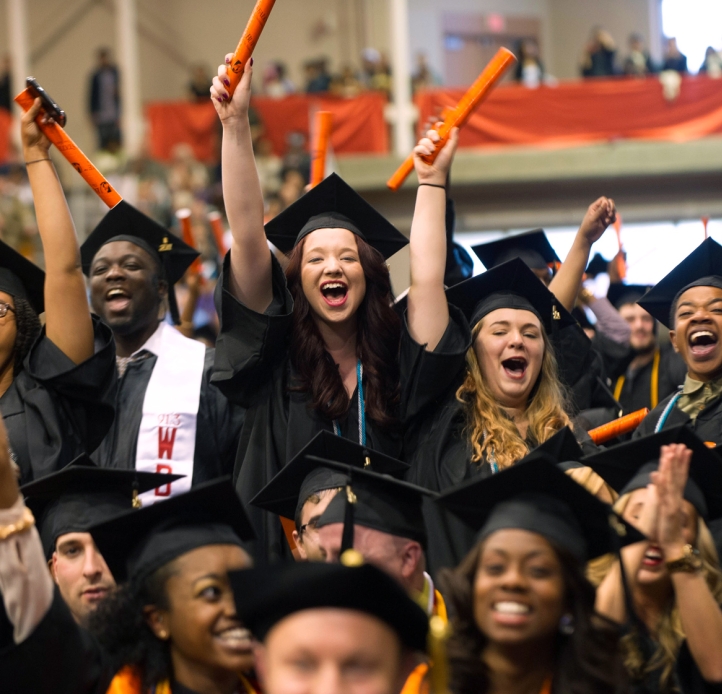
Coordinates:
(236, 65)
(71, 152)
(458, 116)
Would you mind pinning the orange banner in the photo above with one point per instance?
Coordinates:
(73, 154)
(574, 113)
(358, 124)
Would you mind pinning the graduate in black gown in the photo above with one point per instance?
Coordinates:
(670, 487)
(523, 612)
(689, 302)
(56, 382)
(133, 264)
(169, 628)
(314, 349)
(655, 370)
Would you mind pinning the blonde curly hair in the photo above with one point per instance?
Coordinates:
(490, 432)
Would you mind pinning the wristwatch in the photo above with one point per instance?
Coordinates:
(690, 562)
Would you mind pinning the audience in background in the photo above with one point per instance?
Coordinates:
(199, 84)
(638, 62)
(529, 68)
(599, 55)
(276, 83)
(712, 64)
(104, 101)
(673, 58)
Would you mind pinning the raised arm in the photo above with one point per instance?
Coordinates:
(568, 280)
(250, 280)
(428, 312)
(699, 611)
(67, 315)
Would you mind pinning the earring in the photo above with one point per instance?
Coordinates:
(163, 635)
(566, 624)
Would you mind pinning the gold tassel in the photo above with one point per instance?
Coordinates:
(439, 632)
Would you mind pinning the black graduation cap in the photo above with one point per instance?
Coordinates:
(598, 265)
(265, 596)
(510, 285)
(532, 247)
(334, 204)
(535, 495)
(627, 467)
(562, 448)
(620, 294)
(21, 278)
(136, 544)
(125, 223)
(376, 501)
(82, 494)
(701, 268)
(303, 476)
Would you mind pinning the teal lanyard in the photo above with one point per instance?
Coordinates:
(361, 412)
(667, 410)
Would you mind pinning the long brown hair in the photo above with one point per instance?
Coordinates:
(490, 430)
(587, 662)
(377, 346)
(670, 634)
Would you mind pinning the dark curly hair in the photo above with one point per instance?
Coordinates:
(120, 627)
(379, 334)
(589, 661)
(28, 329)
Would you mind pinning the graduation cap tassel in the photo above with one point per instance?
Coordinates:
(173, 306)
(348, 521)
(439, 632)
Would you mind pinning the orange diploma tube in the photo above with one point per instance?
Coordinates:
(184, 218)
(322, 124)
(72, 153)
(623, 425)
(457, 117)
(248, 42)
(214, 219)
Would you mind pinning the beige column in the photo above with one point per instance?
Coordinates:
(402, 113)
(126, 20)
(18, 43)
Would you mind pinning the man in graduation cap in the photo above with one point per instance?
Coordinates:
(382, 519)
(330, 618)
(688, 301)
(655, 370)
(69, 502)
(169, 417)
(305, 487)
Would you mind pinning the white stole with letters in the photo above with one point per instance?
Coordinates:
(167, 434)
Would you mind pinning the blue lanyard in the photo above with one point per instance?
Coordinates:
(361, 410)
(667, 410)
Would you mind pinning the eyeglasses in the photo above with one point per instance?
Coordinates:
(311, 525)
(4, 308)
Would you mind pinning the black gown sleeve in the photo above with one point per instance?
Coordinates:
(59, 657)
(68, 407)
(250, 344)
(426, 377)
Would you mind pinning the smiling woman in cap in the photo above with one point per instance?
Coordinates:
(670, 487)
(56, 383)
(314, 349)
(524, 618)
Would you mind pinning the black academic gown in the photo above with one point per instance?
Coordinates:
(253, 368)
(637, 388)
(59, 657)
(437, 444)
(56, 410)
(218, 426)
(687, 677)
